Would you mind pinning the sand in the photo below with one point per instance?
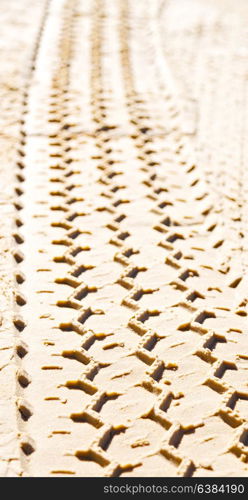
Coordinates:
(123, 338)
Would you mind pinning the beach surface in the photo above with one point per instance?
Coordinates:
(123, 238)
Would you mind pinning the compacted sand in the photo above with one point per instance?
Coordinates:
(123, 340)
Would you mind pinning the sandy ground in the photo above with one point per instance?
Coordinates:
(123, 338)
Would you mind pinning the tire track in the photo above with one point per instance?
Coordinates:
(24, 411)
(131, 343)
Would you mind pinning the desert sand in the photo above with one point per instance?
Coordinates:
(123, 238)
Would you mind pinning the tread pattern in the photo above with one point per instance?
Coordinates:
(14, 83)
(132, 309)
